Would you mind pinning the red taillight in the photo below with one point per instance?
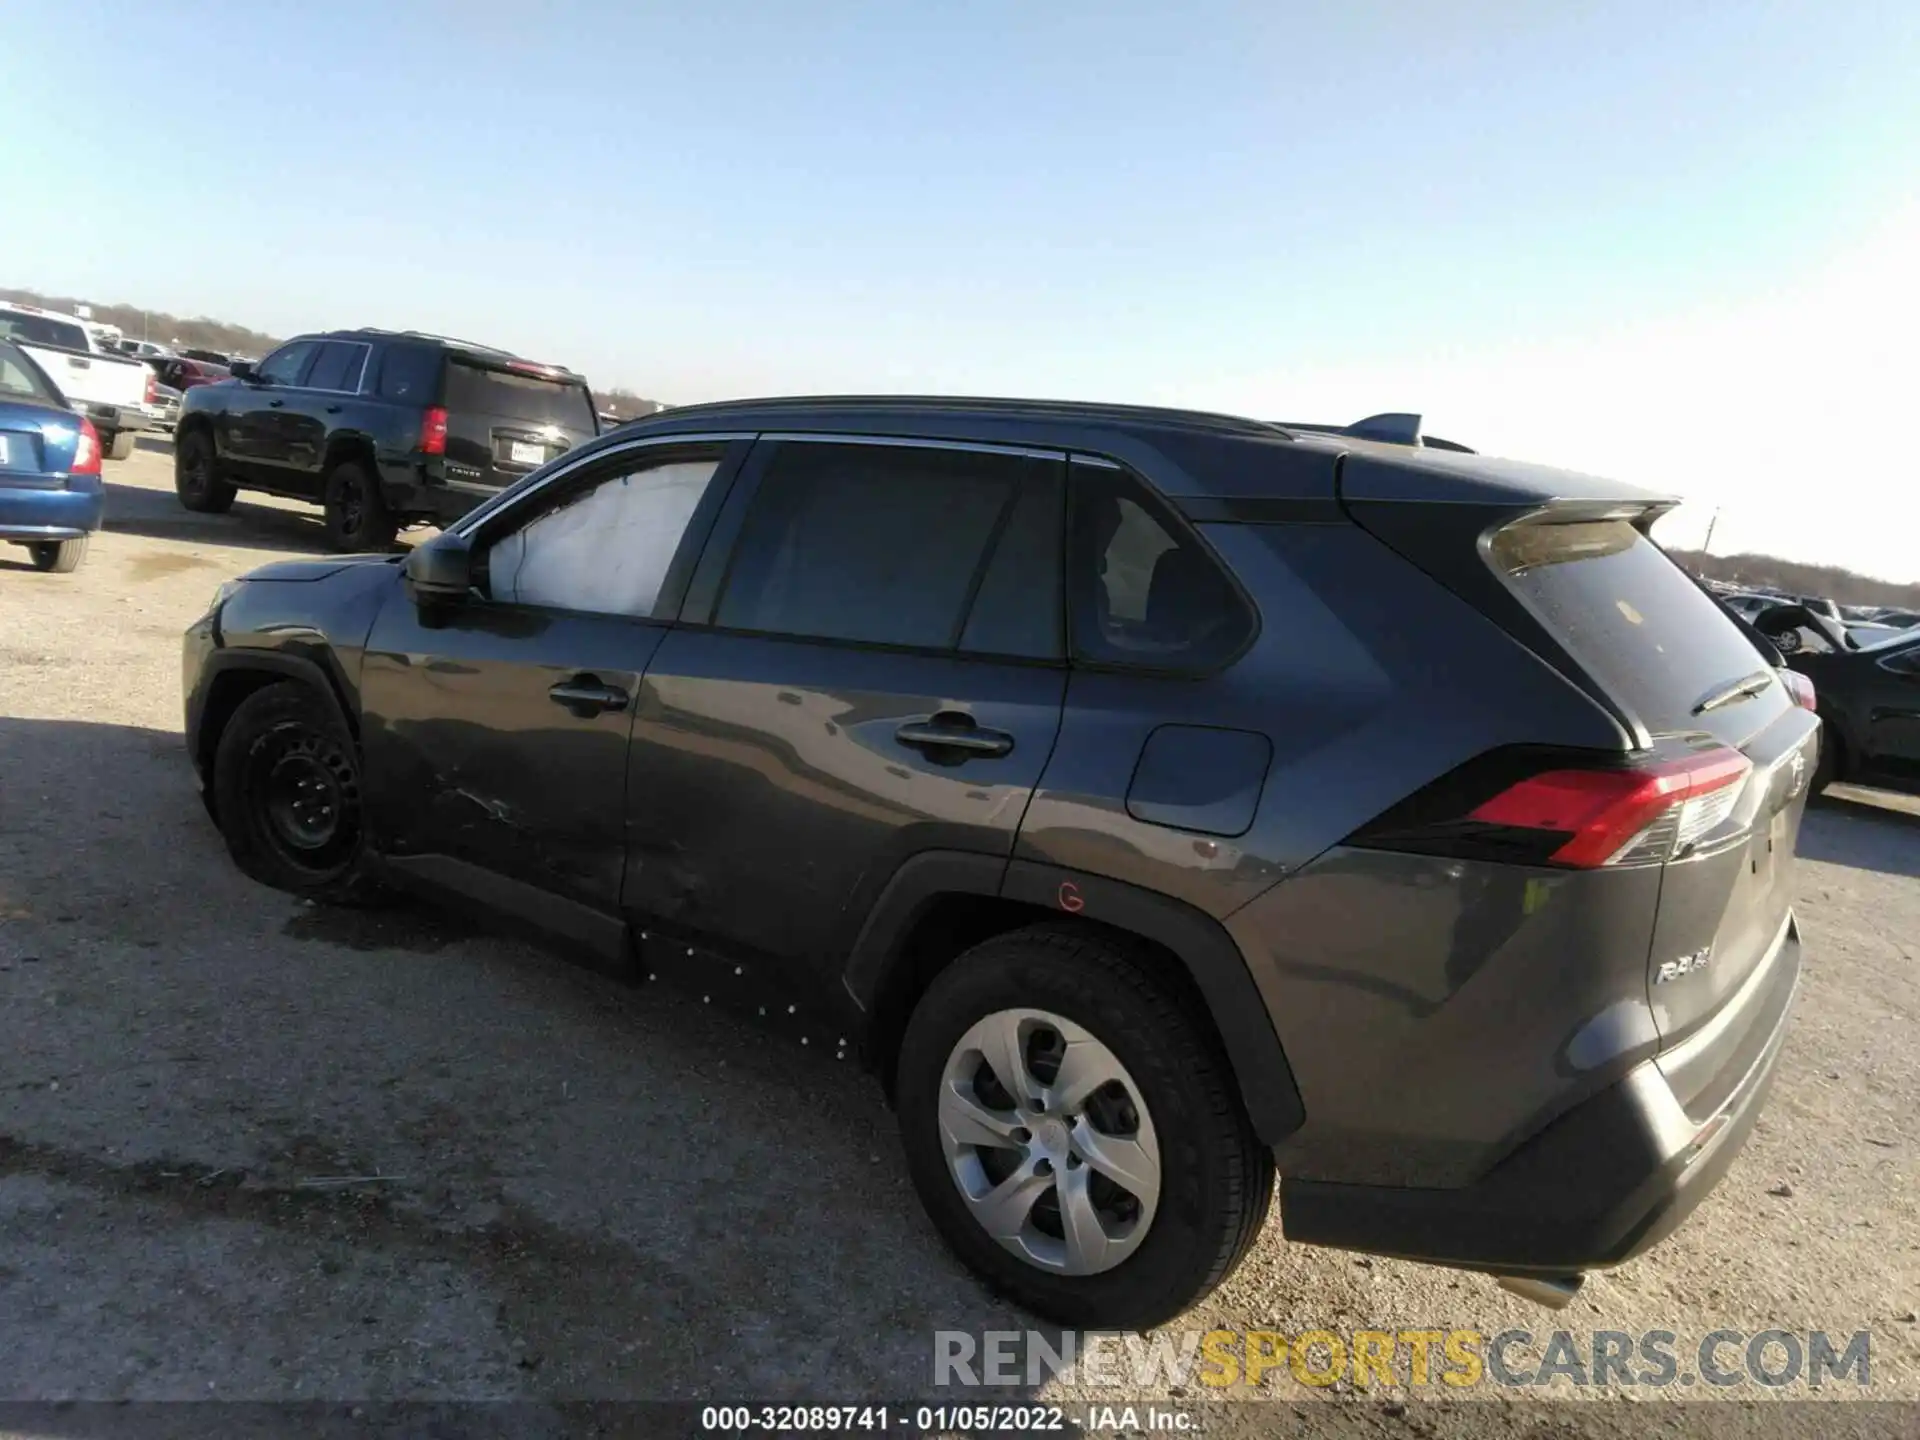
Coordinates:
(1604, 812)
(1800, 688)
(433, 431)
(153, 388)
(86, 450)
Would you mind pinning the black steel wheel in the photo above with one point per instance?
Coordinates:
(287, 794)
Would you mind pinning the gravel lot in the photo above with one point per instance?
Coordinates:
(589, 1191)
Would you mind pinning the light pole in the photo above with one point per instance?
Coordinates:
(1706, 546)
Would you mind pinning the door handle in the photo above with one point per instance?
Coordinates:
(333, 409)
(585, 695)
(951, 731)
(275, 404)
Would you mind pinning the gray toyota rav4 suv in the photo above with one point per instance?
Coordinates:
(1154, 800)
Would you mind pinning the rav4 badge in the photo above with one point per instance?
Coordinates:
(1686, 965)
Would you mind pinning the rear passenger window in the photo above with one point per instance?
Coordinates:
(877, 543)
(1142, 589)
(334, 367)
(1018, 610)
(410, 373)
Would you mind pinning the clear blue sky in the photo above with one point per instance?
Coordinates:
(1122, 200)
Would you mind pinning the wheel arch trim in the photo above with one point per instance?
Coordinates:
(1262, 1075)
(276, 663)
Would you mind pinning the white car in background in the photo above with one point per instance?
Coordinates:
(110, 390)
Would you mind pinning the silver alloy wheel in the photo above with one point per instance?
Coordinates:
(1056, 1156)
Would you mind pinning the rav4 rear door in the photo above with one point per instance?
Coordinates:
(869, 666)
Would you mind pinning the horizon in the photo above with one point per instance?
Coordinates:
(1672, 248)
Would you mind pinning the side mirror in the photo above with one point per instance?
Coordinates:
(440, 573)
(243, 370)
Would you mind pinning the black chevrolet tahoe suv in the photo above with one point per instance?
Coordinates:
(382, 428)
(1151, 799)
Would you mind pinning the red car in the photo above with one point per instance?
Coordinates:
(184, 374)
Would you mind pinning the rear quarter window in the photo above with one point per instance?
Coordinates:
(1631, 617)
(410, 373)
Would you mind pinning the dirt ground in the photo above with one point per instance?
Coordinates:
(252, 1149)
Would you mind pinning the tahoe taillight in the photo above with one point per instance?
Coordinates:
(433, 431)
(1579, 817)
(1801, 689)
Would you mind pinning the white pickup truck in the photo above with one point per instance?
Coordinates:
(110, 390)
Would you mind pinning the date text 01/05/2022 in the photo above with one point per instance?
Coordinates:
(938, 1419)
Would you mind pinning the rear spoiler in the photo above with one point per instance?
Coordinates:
(514, 365)
(1392, 428)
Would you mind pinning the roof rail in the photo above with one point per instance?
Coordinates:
(1139, 414)
(473, 345)
(1390, 428)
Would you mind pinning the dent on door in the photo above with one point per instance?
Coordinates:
(499, 739)
(769, 812)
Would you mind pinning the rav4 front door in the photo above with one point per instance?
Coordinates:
(495, 737)
(868, 667)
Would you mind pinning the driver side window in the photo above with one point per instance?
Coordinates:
(284, 365)
(605, 547)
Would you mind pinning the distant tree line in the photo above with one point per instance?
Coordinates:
(205, 333)
(1843, 587)
(625, 404)
(156, 325)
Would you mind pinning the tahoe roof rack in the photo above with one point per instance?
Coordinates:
(1392, 428)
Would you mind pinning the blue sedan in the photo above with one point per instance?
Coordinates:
(50, 494)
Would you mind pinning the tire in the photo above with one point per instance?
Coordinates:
(58, 557)
(120, 445)
(357, 514)
(1214, 1179)
(286, 778)
(196, 475)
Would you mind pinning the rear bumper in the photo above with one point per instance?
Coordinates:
(1600, 1185)
(110, 419)
(34, 514)
(420, 490)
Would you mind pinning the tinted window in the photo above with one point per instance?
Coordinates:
(1627, 613)
(604, 548)
(1143, 589)
(526, 398)
(336, 367)
(20, 379)
(875, 543)
(1018, 610)
(284, 365)
(410, 373)
(42, 330)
